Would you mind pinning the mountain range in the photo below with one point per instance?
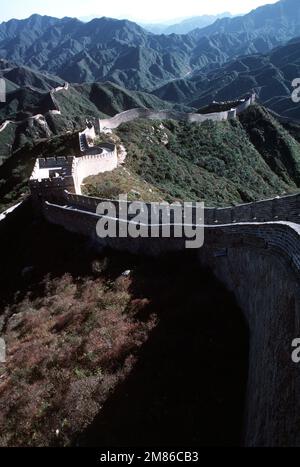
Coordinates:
(269, 75)
(186, 25)
(30, 93)
(280, 19)
(88, 343)
(33, 96)
(118, 65)
(121, 51)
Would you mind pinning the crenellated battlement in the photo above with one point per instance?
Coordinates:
(55, 162)
(56, 174)
(133, 114)
(51, 176)
(253, 248)
(286, 208)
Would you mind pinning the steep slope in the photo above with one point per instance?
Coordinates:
(99, 50)
(281, 20)
(109, 98)
(25, 102)
(278, 147)
(270, 76)
(29, 111)
(219, 162)
(23, 76)
(80, 331)
(123, 52)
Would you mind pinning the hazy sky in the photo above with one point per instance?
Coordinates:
(137, 10)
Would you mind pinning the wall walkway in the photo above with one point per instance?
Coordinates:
(133, 114)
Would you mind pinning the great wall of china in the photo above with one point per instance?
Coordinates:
(129, 115)
(39, 117)
(253, 248)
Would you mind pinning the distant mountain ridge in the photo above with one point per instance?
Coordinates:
(185, 26)
(120, 51)
(281, 19)
(269, 75)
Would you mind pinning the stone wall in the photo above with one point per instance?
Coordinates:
(104, 158)
(244, 105)
(72, 171)
(104, 161)
(254, 249)
(86, 138)
(60, 161)
(280, 236)
(133, 114)
(260, 263)
(51, 188)
(285, 208)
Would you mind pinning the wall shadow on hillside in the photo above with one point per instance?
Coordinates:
(29, 241)
(188, 388)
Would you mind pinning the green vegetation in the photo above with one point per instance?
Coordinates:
(110, 99)
(221, 163)
(77, 104)
(111, 184)
(7, 137)
(277, 146)
(15, 171)
(93, 353)
(78, 330)
(123, 52)
(270, 75)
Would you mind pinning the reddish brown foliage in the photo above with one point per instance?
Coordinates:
(67, 350)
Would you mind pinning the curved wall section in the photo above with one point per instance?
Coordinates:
(86, 166)
(254, 249)
(286, 208)
(260, 263)
(133, 114)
